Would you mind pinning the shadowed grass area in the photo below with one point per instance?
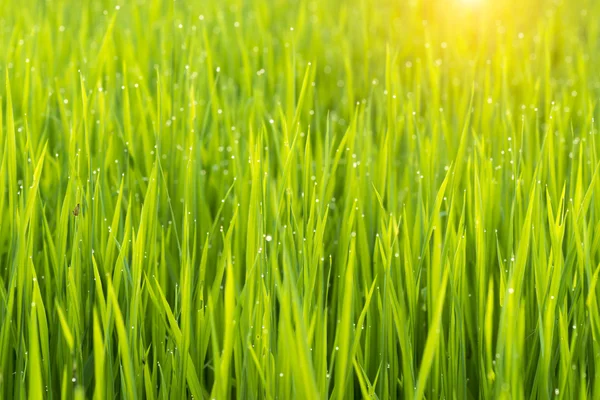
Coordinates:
(299, 199)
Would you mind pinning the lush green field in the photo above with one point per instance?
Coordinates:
(299, 199)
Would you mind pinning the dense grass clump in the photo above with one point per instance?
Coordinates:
(299, 199)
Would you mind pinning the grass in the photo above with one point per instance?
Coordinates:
(299, 199)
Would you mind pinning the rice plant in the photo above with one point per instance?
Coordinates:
(299, 199)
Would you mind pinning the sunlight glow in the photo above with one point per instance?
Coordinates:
(471, 2)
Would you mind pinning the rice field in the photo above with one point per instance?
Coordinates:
(299, 199)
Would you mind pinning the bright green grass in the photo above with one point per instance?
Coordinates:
(299, 199)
